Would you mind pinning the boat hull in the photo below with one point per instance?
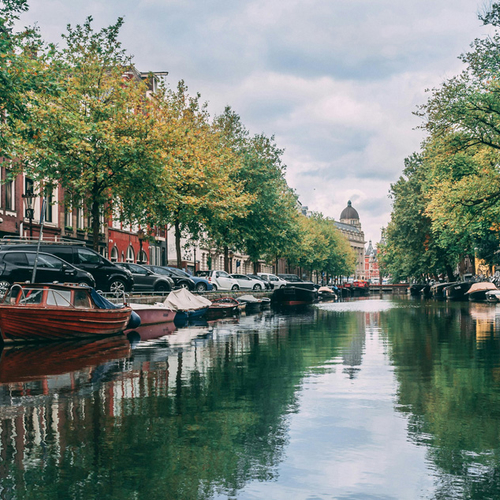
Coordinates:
(153, 315)
(294, 296)
(20, 324)
(457, 291)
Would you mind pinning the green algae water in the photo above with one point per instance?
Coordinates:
(367, 399)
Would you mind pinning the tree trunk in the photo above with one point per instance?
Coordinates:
(255, 267)
(95, 225)
(178, 243)
(449, 272)
(277, 263)
(226, 259)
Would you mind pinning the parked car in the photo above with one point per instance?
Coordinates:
(17, 266)
(267, 284)
(108, 276)
(200, 284)
(179, 280)
(247, 283)
(290, 278)
(274, 280)
(220, 280)
(145, 280)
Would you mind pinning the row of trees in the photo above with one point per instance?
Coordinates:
(81, 117)
(447, 202)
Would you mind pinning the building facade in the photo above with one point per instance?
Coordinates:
(350, 227)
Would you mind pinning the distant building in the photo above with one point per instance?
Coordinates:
(350, 226)
(371, 264)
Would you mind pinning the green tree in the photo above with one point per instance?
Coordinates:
(97, 137)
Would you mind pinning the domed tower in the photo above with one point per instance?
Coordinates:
(350, 216)
(350, 226)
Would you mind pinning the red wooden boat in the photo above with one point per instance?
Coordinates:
(32, 312)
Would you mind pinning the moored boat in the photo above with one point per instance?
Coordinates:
(477, 292)
(437, 290)
(457, 291)
(294, 295)
(153, 314)
(416, 289)
(493, 296)
(223, 308)
(186, 305)
(33, 312)
(252, 304)
(326, 293)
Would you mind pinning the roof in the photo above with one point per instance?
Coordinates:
(347, 227)
(349, 212)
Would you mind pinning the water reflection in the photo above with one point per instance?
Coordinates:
(361, 399)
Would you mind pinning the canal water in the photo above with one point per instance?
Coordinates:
(378, 398)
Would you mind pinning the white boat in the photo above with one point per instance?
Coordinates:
(186, 305)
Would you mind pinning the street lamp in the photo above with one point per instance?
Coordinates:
(140, 235)
(29, 199)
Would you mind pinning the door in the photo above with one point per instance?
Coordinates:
(243, 281)
(224, 282)
(142, 280)
(91, 262)
(48, 268)
(17, 268)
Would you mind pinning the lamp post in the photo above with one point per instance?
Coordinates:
(29, 199)
(140, 235)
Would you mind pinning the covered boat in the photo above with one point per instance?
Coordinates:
(457, 291)
(32, 312)
(493, 296)
(186, 305)
(437, 290)
(477, 292)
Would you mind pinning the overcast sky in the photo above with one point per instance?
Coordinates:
(335, 81)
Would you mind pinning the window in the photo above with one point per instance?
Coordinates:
(10, 195)
(85, 256)
(31, 296)
(114, 254)
(17, 258)
(137, 269)
(80, 217)
(130, 254)
(45, 261)
(59, 298)
(68, 218)
(49, 207)
(82, 299)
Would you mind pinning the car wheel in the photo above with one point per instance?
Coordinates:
(257, 287)
(235, 287)
(214, 287)
(117, 287)
(162, 287)
(84, 283)
(201, 287)
(4, 286)
(184, 285)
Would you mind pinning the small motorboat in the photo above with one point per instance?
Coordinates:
(326, 293)
(252, 304)
(186, 305)
(437, 290)
(477, 292)
(153, 314)
(457, 291)
(223, 308)
(33, 312)
(493, 296)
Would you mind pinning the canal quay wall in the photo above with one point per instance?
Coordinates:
(145, 298)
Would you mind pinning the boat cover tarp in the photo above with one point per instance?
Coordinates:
(103, 303)
(479, 287)
(249, 298)
(184, 300)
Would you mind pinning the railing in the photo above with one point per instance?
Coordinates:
(20, 240)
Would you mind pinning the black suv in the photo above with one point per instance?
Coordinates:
(108, 276)
(146, 280)
(17, 266)
(179, 280)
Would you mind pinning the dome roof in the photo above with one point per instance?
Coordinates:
(349, 212)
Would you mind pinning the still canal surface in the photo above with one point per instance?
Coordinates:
(382, 398)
